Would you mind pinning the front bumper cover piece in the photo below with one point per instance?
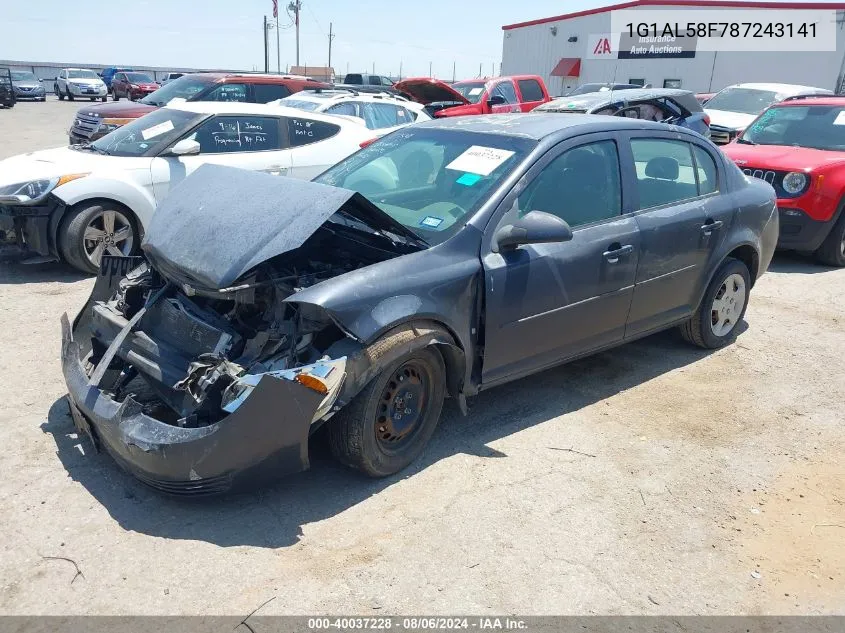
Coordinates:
(265, 435)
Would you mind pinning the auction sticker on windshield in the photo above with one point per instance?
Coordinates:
(480, 160)
(157, 130)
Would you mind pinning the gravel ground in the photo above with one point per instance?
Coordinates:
(652, 479)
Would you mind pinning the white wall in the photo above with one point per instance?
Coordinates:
(535, 50)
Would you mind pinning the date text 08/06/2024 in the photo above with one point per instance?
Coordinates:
(772, 30)
(416, 623)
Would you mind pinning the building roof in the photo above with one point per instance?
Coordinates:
(680, 3)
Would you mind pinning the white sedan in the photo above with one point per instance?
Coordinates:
(77, 203)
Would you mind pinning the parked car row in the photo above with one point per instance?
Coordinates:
(409, 254)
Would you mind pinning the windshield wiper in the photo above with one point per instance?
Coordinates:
(745, 141)
(93, 148)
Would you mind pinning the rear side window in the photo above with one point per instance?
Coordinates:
(665, 171)
(706, 171)
(347, 107)
(302, 131)
(530, 89)
(246, 133)
(265, 93)
(353, 79)
(382, 115)
(226, 92)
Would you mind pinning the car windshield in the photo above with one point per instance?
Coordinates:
(81, 74)
(299, 104)
(430, 180)
(139, 78)
(182, 88)
(23, 75)
(744, 100)
(146, 135)
(470, 90)
(817, 127)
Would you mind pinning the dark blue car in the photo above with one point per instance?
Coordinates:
(448, 257)
(678, 107)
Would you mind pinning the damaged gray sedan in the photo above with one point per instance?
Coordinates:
(444, 259)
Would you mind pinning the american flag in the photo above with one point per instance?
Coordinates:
(275, 8)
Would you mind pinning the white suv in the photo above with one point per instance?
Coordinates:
(80, 82)
(381, 112)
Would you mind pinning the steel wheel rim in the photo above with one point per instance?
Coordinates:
(108, 232)
(402, 406)
(727, 305)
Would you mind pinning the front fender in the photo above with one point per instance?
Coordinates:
(94, 187)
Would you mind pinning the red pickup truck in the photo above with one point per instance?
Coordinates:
(517, 93)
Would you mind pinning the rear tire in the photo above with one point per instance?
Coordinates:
(832, 250)
(388, 424)
(80, 230)
(114, 96)
(69, 95)
(58, 93)
(724, 304)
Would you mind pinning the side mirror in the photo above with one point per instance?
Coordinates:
(185, 147)
(496, 100)
(535, 227)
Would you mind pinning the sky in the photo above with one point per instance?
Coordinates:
(227, 34)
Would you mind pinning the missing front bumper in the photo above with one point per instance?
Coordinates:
(264, 438)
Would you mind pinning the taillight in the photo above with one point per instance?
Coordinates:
(707, 120)
(368, 143)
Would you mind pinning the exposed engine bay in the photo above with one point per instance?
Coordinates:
(179, 350)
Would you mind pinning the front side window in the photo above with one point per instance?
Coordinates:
(303, 131)
(665, 171)
(505, 89)
(265, 93)
(243, 133)
(818, 127)
(119, 77)
(581, 186)
(145, 136)
(227, 92)
(430, 180)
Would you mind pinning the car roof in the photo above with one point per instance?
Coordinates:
(810, 101)
(541, 125)
(787, 89)
(592, 99)
(239, 107)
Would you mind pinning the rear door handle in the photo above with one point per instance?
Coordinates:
(708, 227)
(612, 256)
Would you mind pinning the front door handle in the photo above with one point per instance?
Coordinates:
(616, 251)
(711, 225)
(276, 170)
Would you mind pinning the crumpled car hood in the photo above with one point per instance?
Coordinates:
(221, 222)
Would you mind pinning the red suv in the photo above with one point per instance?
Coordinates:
(798, 147)
(132, 85)
(517, 93)
(93, 122)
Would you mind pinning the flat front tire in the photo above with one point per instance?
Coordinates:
(715, 322)
(94, 230)
(388, 424)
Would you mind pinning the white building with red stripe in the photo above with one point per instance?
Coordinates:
(588, 46)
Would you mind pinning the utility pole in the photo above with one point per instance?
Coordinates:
(374, 68)
(479, 70)
(295, 6)
(453, 71)
(278, 47)
(266, 48)
(331, 37)
(429, 70)
(400, 70)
